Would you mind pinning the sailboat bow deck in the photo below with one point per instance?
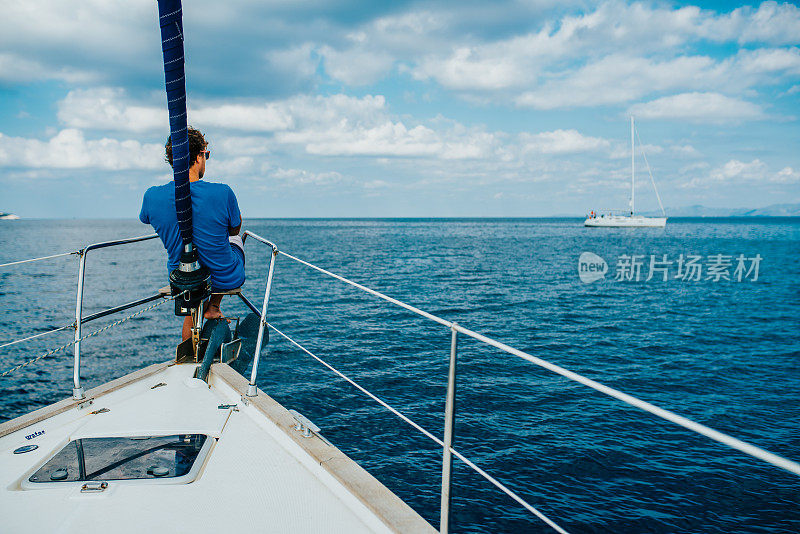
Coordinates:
(259, 473)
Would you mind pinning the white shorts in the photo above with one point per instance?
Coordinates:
(236, 240)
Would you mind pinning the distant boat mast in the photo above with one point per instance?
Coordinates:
(633, 168)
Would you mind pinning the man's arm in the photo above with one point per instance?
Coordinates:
(144, 216)
(234, 215)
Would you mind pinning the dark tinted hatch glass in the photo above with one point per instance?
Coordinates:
(122, 458)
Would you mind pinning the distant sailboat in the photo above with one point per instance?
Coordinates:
(632, 220)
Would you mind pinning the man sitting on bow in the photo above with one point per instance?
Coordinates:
(216, 222)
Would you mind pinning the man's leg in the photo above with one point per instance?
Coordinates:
(212, 310)
(186, 333)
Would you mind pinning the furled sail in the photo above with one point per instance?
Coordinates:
(171, 20)
(190, 282)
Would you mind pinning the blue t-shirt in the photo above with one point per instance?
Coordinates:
(214, 211)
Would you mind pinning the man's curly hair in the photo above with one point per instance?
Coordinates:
(197, 144)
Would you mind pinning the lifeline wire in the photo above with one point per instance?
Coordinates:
(42, 258)
(71, 325)
(96, 332)
(460, 456)
(373, 292)
(730, 441)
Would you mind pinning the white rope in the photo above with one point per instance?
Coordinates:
(751, 450)
(71, 325)
(460, 456)
(652, 181)
(37, 259)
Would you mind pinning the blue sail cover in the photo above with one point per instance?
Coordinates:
(171, 21)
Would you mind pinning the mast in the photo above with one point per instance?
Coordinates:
(171, 22)
(633, 170)
(190, 282)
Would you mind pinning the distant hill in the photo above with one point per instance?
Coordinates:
(775, 210)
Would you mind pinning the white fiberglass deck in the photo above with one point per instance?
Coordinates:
(261, 475)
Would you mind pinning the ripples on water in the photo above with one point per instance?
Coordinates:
(724, 354)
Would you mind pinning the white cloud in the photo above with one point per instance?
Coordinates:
(14, 68)
(69, 149)
(473, 68)
(303, 177)
(694, 167)
(766, 65)
(616, 79)
(356, 66)
(698, 107)
(620, 78)
(345, 126)
(687, 151)
(297, 60)
(787, 175)
(443, 44)
(387, 139)
(406, 29)
(375, 184)
(518, 60)
(243, 117)
(243, 145)
(336, 125)
(340, 125)
(369, 109)
(236, 166)
(561, 142)
(463, 144)
(463, 47)
(771, 23)
(579, 62)
(623, 150)
(106, 108)
(76, 42)
(735, 171)
(369, 52)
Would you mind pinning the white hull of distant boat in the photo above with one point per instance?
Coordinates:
(624, 221)
(8, 217)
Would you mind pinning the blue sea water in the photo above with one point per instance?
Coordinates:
(725, 353)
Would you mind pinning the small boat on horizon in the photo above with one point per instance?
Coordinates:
(629, 220)
(8, 216)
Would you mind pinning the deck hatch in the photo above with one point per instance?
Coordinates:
(124, 458)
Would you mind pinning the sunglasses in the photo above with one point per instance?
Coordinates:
(206, 154)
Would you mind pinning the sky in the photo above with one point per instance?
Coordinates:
(344, 108)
